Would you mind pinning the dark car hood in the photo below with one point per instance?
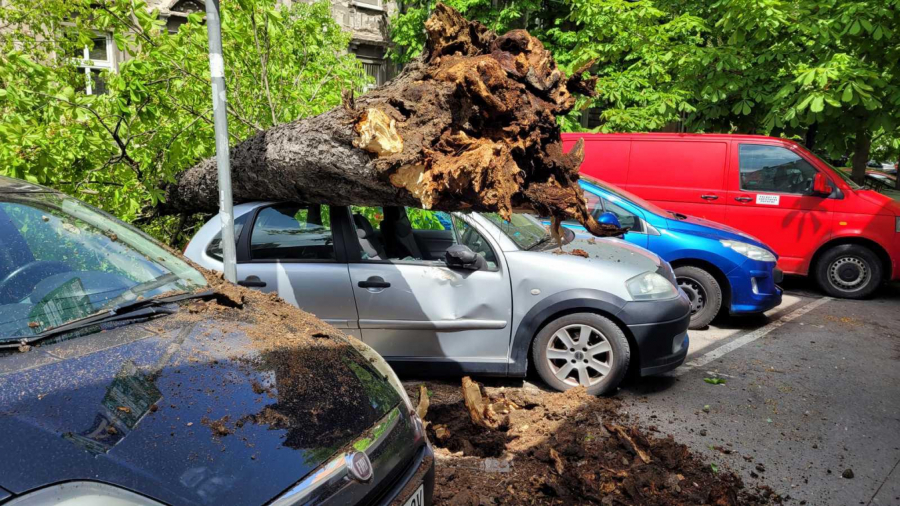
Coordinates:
(181, 412)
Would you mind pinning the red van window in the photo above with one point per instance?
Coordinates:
(677, 164)
(774, 169)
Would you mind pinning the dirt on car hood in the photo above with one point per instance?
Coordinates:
(231, 400)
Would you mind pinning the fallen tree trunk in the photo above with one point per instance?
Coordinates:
(469, 125)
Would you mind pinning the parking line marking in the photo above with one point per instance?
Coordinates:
(748, 338)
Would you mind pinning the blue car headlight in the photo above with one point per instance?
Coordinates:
(750, 251)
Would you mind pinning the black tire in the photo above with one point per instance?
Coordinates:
(849, 271)
(615, 355)
(703, 290)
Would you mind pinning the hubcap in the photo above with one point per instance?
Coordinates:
(579, 355)
(848, 274)
(695, 293)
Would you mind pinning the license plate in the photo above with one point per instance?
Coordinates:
(417, 499)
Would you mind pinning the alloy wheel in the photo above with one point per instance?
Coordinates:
(579, 355)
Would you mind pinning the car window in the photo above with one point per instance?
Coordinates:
(593, 205)
(467, 235)
(626, 218)
(292, 232)
(215, 246)
(408, 234)
(774, 169)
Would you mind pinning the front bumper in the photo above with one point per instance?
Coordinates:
(421, 473)
(754, 287)
(659, 329)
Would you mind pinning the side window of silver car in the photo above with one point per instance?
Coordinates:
(292, 232)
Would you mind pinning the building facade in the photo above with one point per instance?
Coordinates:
(366, 20)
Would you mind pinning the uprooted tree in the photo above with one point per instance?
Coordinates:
(469, 125)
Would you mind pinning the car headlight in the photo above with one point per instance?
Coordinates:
(382, 366)
(750, 251)
(651, 286)
(82, 493)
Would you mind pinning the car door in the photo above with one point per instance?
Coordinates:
(770, 197)
(412, 306)
(290, 249)
(687, 176)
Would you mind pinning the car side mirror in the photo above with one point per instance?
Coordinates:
(820, 185)
(460, 256)
(609, 218)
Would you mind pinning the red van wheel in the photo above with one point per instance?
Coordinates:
(849, 271)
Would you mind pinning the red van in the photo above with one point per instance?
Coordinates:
(818, 221)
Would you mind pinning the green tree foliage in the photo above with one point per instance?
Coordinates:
(117, 149)
(821, 71)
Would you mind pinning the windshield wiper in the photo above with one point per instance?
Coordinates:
(138, 309)
(678, 216)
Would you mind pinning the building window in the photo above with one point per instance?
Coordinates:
(93, 60)
(376, 69)
(368, 4)
(373, 61)
(188, 6)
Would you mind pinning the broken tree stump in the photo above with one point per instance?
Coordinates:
(469, 125)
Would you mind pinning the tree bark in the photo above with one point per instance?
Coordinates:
(469, 125)
(861, 147)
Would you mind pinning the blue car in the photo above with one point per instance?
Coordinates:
(717, 266)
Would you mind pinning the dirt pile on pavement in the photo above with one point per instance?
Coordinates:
(565, 448)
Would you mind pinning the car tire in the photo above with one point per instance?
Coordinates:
(704, 292)
(565, 365)
(849, 271)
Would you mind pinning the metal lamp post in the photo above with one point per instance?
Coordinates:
(220, 116)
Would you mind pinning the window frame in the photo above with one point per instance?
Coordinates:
(244, 255)
(779, 146)
(371, 7)
(87, 63)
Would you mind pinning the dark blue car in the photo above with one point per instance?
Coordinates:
(717, 266)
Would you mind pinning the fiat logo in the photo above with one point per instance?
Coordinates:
(360, 466)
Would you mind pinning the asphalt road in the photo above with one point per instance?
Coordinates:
(812, 389)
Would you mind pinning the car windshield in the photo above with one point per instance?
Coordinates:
(524, 230)
(634, 199)
(62, 260)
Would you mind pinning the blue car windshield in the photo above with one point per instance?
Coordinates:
(634, 199)
(62, 260)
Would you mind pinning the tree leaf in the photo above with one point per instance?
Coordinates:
(847, 95)
(817, 104)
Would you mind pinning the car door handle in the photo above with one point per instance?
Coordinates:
(252, 282)
(709, 197)
(743, 199)
(374, 282)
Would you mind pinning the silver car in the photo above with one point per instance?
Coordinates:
(466, 292)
